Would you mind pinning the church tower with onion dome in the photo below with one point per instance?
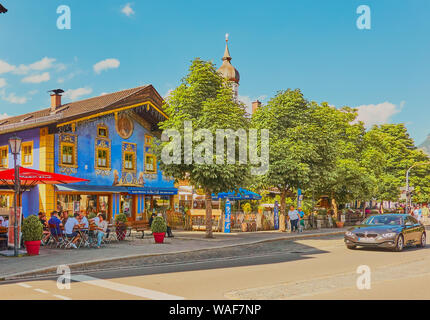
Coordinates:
(228, 71)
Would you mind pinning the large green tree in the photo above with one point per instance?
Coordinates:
(390, 151)
(303, 139)
(349, 179)
(205, 101)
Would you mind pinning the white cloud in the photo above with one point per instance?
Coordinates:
(22, 69)
(43, 64)
(6, 67)
(13, 98)
(37, 78)
(127, 10)
(2, 82)
(378, 114)
(106, 64)
(74, 94)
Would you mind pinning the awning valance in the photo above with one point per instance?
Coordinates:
(91, 189)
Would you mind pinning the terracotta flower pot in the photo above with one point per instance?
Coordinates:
(159, 237)
(339, 224)
(32, 247)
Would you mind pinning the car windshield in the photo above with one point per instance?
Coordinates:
(383, 220)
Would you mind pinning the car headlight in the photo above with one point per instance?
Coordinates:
(349, 234)
(388, 235)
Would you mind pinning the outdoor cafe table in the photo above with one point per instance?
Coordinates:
(84, 239)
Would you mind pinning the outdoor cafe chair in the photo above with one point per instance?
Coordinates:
(56, 240)
(92, 234)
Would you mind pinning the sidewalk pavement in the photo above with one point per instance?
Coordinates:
(183, 241)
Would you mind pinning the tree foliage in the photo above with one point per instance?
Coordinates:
(204, 98)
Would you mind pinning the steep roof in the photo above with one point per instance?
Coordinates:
(74, 110)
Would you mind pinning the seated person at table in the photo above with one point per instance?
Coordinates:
(46, 233)
(102, 227)
(57, 222)
(83, 220)
(5, 222)
(2, 235)
(64, 215)
(97, 219)
(68, 229)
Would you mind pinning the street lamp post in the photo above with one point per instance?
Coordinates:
(15, 147)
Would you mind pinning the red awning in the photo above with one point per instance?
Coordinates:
(30, 177)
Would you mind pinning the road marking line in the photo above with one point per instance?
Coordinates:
(24, 285)
(62, 297)
(41, 291)
(136, 291)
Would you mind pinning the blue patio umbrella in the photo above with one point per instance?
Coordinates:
(241, 194)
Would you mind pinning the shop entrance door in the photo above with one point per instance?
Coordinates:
(127, 206)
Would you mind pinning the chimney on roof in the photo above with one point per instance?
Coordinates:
(255, 106)
(55, 99)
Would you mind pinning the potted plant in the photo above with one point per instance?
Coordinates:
(339, 224)
(121, 228)
(32, 233)
(159, 228)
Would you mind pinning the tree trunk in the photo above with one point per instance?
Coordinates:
(208, 198)
(334, 207)
(282, 216)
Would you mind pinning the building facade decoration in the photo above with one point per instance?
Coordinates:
(124, 125)
(68, 151)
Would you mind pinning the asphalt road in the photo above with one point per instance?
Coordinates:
(320, 268)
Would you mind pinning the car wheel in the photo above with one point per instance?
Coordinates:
(399, 244)
(422, 243)
(351, 246)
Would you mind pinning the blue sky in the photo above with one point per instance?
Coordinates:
(307, 44)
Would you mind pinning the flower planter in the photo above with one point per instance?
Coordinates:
(32, 247)
(339, 224)
(121, 232)
(159, 237)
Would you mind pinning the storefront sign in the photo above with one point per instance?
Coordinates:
(155, 191)
(11, 233)
(276, 215)
(227, 216)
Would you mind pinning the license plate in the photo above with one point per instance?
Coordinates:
(366, 239)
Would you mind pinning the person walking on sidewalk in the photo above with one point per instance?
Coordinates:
(302, 221)
(293, 214)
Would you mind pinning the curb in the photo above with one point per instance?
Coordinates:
(49, 269)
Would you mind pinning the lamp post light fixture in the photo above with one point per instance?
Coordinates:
(15, 147)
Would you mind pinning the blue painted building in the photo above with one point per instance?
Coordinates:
(107, 140)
